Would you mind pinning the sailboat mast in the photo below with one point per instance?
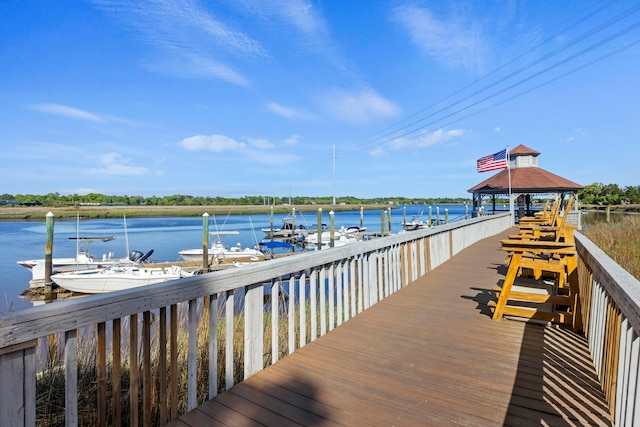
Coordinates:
(334, 174)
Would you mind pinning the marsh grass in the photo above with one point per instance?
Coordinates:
(619, 239)
(50, 383)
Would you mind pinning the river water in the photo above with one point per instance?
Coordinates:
(166, 236)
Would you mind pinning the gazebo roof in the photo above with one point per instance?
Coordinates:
(523, 150)
(525, 180)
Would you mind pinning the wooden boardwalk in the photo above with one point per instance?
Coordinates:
(428, 355)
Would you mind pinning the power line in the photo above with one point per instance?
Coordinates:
(419, 125)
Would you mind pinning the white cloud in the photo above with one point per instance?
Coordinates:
(66, 111)
(261, 144)
(215, 143)
(116, 164)
(189, 39)
(497, 129)
(358, 107)
(287, 112)
(457, 42)
(378, 152)
(426, 139)
(292, 140)
(256, 150)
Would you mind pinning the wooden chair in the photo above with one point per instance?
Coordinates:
(557, 231)
(547, 218)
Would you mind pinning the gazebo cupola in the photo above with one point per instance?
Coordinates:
(523, 157)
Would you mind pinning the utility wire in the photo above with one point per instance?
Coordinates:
(411, 127)
(486, 76)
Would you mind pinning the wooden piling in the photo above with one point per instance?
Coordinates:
(293, 230)
(319, 235)
(205, 241)
(331, 230)
(48, 254)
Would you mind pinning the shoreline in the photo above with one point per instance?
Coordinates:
(38, 213)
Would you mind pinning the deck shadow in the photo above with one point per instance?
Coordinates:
(551, 385)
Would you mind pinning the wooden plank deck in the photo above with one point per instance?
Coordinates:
(428, 355)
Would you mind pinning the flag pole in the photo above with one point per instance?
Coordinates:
(511, 209)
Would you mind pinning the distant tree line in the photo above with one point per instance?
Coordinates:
(609, 194)
(58, 200)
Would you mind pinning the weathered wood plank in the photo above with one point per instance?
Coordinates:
(428, 355)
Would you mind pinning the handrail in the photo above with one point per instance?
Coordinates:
(325, 288)
(610, 302)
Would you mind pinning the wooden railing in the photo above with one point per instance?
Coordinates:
(186, 340)
(610, 303)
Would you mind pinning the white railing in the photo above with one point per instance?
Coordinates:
(610, 304)
(186, 340)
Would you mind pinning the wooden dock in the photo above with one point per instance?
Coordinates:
(428, 355)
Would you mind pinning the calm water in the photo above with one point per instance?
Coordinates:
(166, 236)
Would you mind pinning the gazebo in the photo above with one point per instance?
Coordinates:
(527, 181)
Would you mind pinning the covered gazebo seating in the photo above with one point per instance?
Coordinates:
(527, 181)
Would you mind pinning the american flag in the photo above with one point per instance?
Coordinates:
(493, 162)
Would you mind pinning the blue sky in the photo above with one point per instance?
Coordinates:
(249, 97)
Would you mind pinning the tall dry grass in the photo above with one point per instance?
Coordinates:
(50, 386)
(619, 239)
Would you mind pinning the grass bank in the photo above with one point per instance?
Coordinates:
(38, 213)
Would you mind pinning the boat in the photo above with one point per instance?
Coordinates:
(287, 230)
(117, 277)
(220, 251)
(416, 223)
(84, 259)
(341, 237)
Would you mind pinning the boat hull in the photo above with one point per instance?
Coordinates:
(114, 279)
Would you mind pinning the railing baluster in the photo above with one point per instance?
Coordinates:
(213, 346)
(291, 314)
(116, 371)
(101, 359)
(71, 377)
(339, 300)
(162, 366)
(322, 288)
(133, 369)
(353, 285)
(331, 283)
(313, 297)
(228, 340)
(302, 289)
(146, 368)
(192, 356)
(275, 317)
(253, 329)
(175, 381)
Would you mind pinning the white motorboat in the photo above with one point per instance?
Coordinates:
(117, 277)
(416, 223)
(84, 259)
(220, 251)
(341, 237)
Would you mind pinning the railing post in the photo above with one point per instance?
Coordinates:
(18, 384)
(253, 327)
